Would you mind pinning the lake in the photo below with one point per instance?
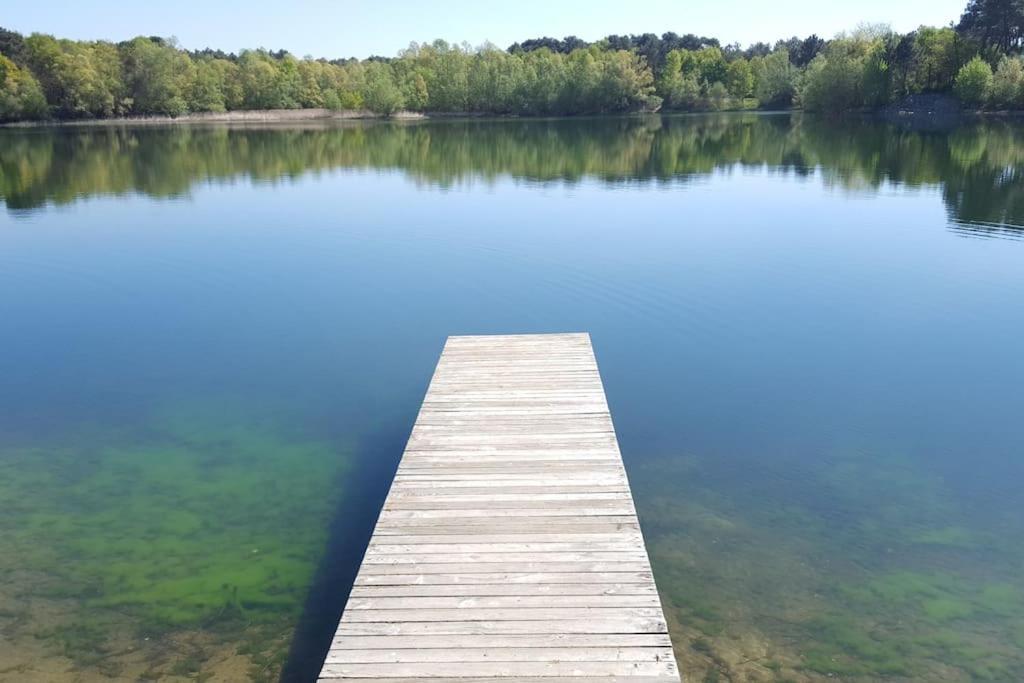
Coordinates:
(214, 341)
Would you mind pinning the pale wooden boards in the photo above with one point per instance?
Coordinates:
(508, 547)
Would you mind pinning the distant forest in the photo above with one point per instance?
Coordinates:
(978, 61)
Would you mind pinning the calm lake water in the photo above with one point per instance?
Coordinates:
(214, 341)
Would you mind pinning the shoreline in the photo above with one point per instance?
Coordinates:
(288, 116)
(320, 115)
(238, 116)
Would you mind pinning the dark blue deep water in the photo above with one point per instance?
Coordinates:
(213, 342)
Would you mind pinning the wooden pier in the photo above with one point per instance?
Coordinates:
(508, 547)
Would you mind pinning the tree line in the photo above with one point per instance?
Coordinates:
(977, 61)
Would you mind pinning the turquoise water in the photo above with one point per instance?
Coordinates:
(213, 342)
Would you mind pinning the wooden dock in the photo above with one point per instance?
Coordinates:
(508, 546)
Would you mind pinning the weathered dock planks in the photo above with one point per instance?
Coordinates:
(508, 546)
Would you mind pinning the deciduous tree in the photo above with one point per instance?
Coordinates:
(21, 97)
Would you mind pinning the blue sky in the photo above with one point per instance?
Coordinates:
(360, 28)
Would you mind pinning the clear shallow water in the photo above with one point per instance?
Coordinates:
(214, 342)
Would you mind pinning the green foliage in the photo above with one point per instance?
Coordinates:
(160, 76)
(441, 77)
(739, 78)
(12, 44)
(229, 81)
(775, 79)
(207, 92)
(449, 83)
(869, 68)
(702, 79)
(974, 82)
(332, 101)
(79, 79)
(21, 97)
(624, 83)
(850, 73)
(997, 24)
(708, 64)
(718, 96)
(671, 83)
(938, 55)
(834, 80)
(685, 93)
(288, 83)
(380, 93)
(873, 68)
(313, 83)
(268, 83)
(877, 75)
(1008, 83)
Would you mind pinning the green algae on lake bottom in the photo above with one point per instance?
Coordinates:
(867, 569)
(211, 521)
(207, 519)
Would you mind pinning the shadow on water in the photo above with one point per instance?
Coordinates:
(350, 529)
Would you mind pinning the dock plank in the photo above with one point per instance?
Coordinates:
(508, 547)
